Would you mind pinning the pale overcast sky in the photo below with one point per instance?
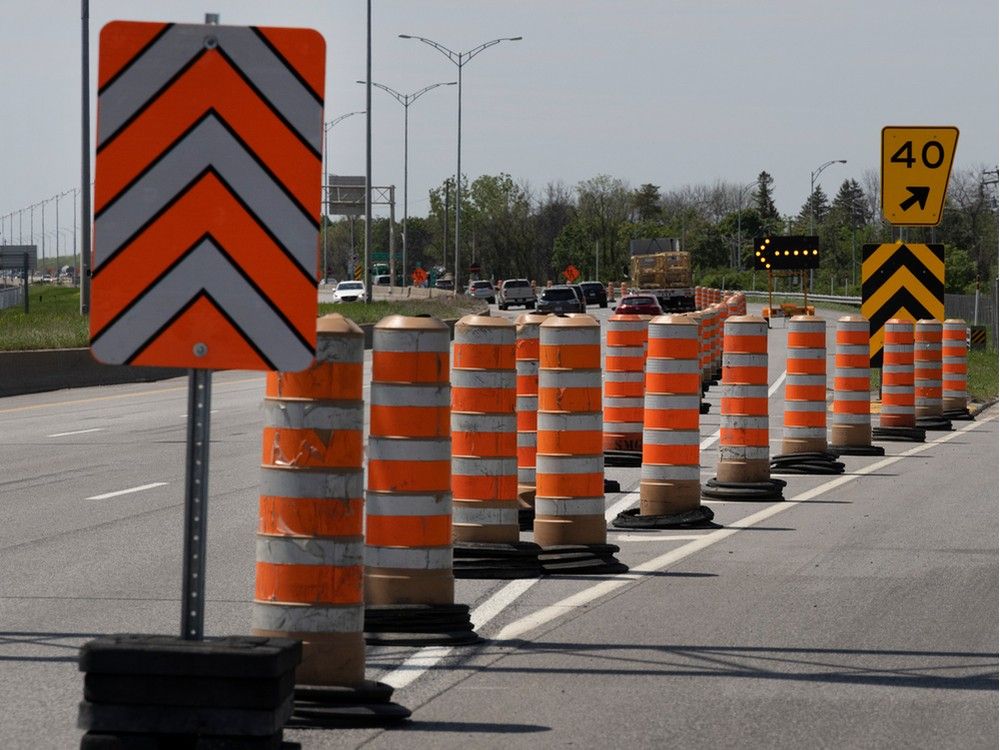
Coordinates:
(671, 92)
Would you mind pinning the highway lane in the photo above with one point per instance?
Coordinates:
(74, 566)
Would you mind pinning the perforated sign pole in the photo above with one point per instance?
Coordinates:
(196, 504)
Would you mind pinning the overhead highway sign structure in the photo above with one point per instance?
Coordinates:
(916, 165)
(207, 196)
(903, 281)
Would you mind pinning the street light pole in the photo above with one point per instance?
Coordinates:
(812, 188)
(326, 178)
(406, 100)
(459, 59)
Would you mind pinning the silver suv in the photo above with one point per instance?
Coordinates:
(516, 292)
(483, 290)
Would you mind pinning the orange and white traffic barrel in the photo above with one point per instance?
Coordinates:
(484, 431)
(408, 534)
(310, 542)
(569, 498)
(897, 418)
(954, 369)
(624, 363)
(710, 318)
(851, 421)
(804, 448)
(805, 387)
(744, 469)
(718, 328)
(927, 391)
(739, 304)
(703, 317)
(670, 479)
(698, 297)
(526, 363)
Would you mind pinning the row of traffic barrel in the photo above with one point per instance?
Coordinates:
(510, 427)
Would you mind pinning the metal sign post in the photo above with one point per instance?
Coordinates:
(196, 504)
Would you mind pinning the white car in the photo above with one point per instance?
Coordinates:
(349, 291)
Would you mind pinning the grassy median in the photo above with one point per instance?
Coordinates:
(53, 321)
(444, 308)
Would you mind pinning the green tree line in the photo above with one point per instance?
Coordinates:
(511, 229)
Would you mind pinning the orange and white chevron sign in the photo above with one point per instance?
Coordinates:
(207, 196)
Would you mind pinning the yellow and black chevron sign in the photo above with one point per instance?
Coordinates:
(900, 281)
(207, 196)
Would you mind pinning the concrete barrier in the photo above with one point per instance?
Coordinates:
(54, 369)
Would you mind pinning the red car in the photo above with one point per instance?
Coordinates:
(636, 304)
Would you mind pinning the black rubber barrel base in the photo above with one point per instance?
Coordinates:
(749, 491)
(483, 560)
(526, 518)
(696, 518)
(858, 450)
(623, 458)
(419, 625)
(581, 559)
(366, 705)
(818, 462)
(899, 434)
(96, 740)
(958, 415)
(937, 424)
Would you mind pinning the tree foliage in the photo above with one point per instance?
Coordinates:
(512, 231)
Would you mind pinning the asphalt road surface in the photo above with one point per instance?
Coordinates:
(860, 612)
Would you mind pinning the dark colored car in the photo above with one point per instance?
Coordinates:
(594, 293)
(638, 304)
(559, 299)
(579, 295)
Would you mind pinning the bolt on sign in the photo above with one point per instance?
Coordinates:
(916, 165)
(903, 281)
(207, 196)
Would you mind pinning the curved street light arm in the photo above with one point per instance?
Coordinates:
(455, 57)
(401, 98)
(485, 45)
(417, 94)
(335, 120)
(824, 165)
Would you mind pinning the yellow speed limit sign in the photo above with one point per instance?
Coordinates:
(916, 164)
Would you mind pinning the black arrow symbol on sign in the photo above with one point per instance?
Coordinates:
(917, 195)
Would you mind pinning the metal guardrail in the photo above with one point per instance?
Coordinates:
(853, 301)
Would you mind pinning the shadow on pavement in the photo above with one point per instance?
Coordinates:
(938, 670)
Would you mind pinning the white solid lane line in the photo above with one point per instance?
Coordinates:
(547, 614)
(130, 490)
(75, 432)
(426, 658)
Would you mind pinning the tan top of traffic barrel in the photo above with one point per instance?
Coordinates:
(411, 322)
(748, 319)
(531, 317)
(338, 324)
(484, 321)
(571, 320)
